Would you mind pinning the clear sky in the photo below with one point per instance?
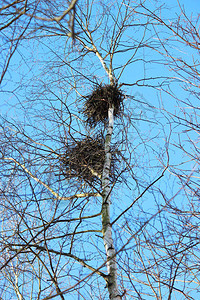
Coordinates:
(39, 83)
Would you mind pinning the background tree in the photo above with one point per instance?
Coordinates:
(59, 238)
(184, 30)
(23, 17)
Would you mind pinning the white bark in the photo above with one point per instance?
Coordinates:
(106, 224)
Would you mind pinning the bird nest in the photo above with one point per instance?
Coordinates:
(97, 104)
(85, 160)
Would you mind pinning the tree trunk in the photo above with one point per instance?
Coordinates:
(106, 224)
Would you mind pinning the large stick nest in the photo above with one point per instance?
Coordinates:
(97, 104)
(85, 160)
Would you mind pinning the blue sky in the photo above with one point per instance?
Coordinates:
(33, 75)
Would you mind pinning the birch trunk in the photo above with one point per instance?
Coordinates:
(106, 224)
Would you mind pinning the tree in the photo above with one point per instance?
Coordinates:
(20, 17)
(83, 213)
(184, 31)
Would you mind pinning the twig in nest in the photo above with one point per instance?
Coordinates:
(97, 104)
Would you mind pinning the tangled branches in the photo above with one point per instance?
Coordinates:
(85, 160)
(97, 104)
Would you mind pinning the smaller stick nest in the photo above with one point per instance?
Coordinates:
(97, 104)
(85, 160)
